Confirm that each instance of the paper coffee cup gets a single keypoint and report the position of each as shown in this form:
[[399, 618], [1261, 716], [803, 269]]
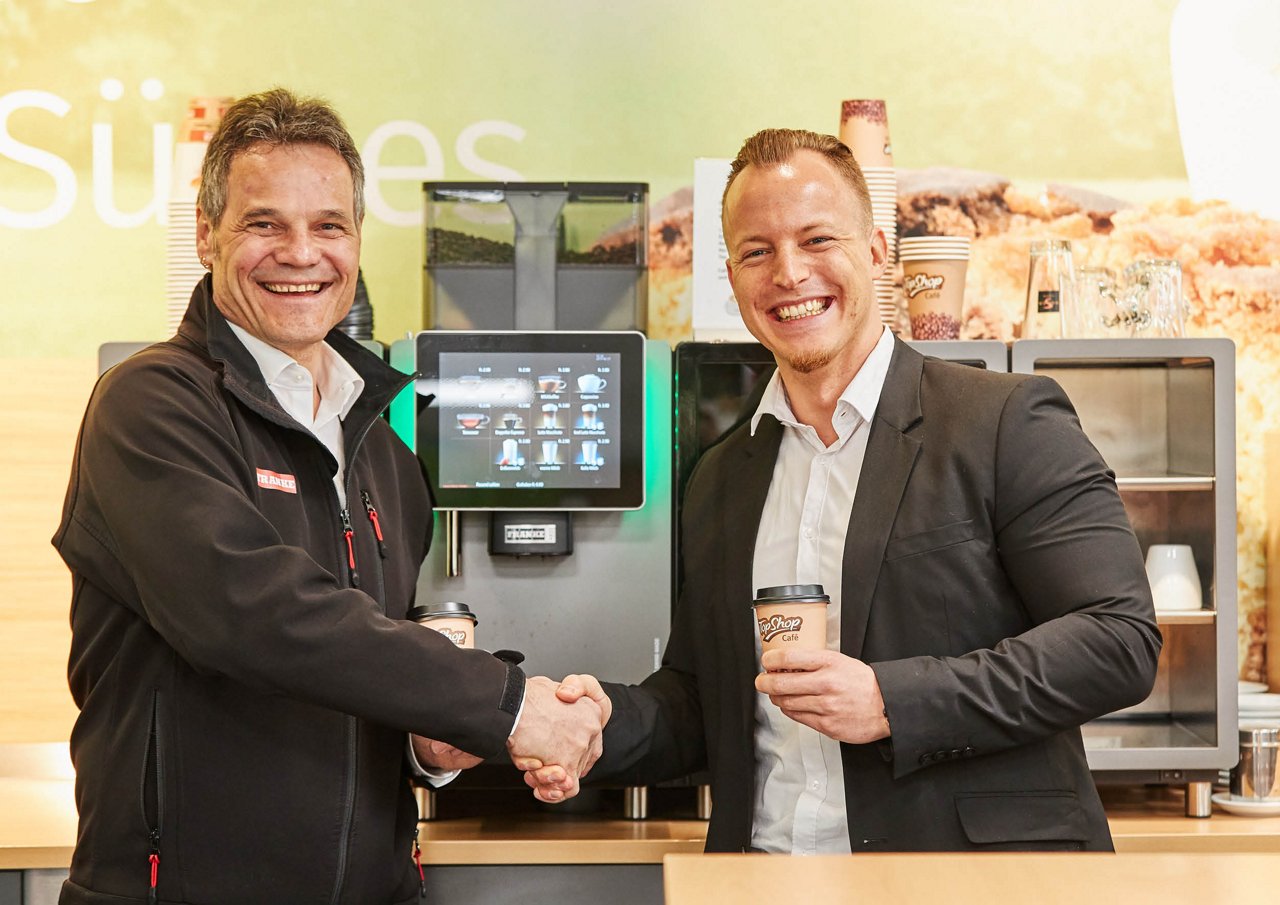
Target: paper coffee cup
[[792, 617], [934, 290], [453, 620], [864, 129]]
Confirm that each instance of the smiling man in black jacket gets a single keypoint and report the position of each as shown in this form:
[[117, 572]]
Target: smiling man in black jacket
[[245, 534], [987, 591]]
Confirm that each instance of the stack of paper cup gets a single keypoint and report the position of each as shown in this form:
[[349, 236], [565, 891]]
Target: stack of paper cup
[[933, 269], [864, 129], [184, 267], [882, 183]]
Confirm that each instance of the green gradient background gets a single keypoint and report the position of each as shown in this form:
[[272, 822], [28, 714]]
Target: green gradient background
[[613, 91]]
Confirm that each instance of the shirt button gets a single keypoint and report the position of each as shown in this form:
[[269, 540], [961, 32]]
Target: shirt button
[[808, 533], [815, 785]]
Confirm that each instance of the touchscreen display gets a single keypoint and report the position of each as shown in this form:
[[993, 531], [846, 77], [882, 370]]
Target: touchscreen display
[[533, 420]]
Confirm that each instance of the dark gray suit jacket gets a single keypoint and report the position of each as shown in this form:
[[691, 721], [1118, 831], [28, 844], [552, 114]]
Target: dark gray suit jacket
[[992, 581]]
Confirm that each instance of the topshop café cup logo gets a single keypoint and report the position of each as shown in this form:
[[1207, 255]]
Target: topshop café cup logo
[[777, 624], [44, 165]]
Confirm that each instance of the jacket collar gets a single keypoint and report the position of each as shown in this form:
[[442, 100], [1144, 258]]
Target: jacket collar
[[892, 447], [744, 486], [204, 327]]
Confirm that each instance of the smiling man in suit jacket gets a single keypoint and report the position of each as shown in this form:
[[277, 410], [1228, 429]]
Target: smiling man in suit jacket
[[987, 592]]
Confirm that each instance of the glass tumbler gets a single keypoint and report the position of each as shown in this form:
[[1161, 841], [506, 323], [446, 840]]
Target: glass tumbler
[[1155, 287], [1097, 305], [1051, 308]]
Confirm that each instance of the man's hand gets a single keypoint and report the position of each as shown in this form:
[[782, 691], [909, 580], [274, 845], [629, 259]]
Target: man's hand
[[823, 689], [441, 755], [555, 732], [550, 781], [571, 688]]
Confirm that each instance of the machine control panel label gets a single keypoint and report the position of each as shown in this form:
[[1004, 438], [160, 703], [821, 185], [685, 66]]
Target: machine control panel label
[[529, 534]]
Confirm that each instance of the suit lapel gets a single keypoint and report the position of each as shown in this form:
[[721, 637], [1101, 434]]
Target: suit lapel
[[890, 457], [745, 485]]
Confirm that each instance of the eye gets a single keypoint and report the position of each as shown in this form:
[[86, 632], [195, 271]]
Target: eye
[[818, 240], [752, 253]]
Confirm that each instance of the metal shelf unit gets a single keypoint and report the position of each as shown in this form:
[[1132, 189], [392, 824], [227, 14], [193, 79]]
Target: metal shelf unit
[[1162, 413]]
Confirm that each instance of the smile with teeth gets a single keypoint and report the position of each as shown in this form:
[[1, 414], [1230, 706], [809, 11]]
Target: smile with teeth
[[292, 287], [802, 309]]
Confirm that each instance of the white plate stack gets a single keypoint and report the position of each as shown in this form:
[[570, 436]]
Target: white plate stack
[[882, 185], [1260, 705]]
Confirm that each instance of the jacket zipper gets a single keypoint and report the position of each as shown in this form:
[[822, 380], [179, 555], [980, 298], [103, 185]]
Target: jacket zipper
[[379, 572], [353, 726], [373, 519], [417, 862], [348, 535], [153, 781], [348, 808], [349, 799]]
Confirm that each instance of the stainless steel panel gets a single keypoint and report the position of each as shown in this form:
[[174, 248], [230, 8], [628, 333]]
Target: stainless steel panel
[[1162, 413], [604, 609]]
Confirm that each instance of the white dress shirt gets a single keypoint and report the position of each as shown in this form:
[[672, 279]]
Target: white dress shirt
[[800, 804], [294, 388]]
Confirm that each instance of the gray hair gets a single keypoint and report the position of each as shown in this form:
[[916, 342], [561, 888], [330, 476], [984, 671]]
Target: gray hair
[[275, 117]]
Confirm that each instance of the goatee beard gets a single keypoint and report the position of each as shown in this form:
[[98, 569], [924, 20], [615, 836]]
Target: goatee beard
[[810, 361]]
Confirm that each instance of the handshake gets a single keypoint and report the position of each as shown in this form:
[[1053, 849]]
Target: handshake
[[556, 741]]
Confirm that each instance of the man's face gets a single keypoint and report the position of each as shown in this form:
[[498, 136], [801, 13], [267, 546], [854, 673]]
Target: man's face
[[287, 252], [801, 263]]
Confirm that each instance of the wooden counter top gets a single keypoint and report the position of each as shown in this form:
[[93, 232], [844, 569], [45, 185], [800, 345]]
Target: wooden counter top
[[1152, 820], [38, 826], [558, 840], [961, 879], [37, 806]]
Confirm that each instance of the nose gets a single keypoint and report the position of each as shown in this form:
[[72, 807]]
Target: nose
[[790, 269], [298, 248]]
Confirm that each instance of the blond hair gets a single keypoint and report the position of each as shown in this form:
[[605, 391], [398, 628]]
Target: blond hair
[[771, 147]]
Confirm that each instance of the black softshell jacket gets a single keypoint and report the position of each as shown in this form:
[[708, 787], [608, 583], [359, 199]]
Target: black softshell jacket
[[239, 653]]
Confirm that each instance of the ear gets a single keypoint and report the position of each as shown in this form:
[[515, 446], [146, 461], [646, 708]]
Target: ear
[[879, 253], [204, 235]]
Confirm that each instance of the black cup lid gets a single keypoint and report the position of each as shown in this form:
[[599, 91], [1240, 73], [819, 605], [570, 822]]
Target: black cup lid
[[444, 608], [784, 593]]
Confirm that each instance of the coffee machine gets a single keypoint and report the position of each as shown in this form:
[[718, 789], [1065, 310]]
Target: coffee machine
[[544, 418]]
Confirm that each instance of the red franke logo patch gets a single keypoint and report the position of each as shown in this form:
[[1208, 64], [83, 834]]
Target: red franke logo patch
[[269, 480]]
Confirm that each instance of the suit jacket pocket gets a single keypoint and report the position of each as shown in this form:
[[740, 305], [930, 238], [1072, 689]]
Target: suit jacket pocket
[[933, 539], [1023, 819]]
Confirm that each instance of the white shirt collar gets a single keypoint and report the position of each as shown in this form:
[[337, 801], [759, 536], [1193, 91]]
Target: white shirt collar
[[862, 395], [340, 386]]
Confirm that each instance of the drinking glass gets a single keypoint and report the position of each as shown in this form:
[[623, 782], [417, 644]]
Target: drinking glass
[[1097, 303], [1050, 309], [1154, 287]]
